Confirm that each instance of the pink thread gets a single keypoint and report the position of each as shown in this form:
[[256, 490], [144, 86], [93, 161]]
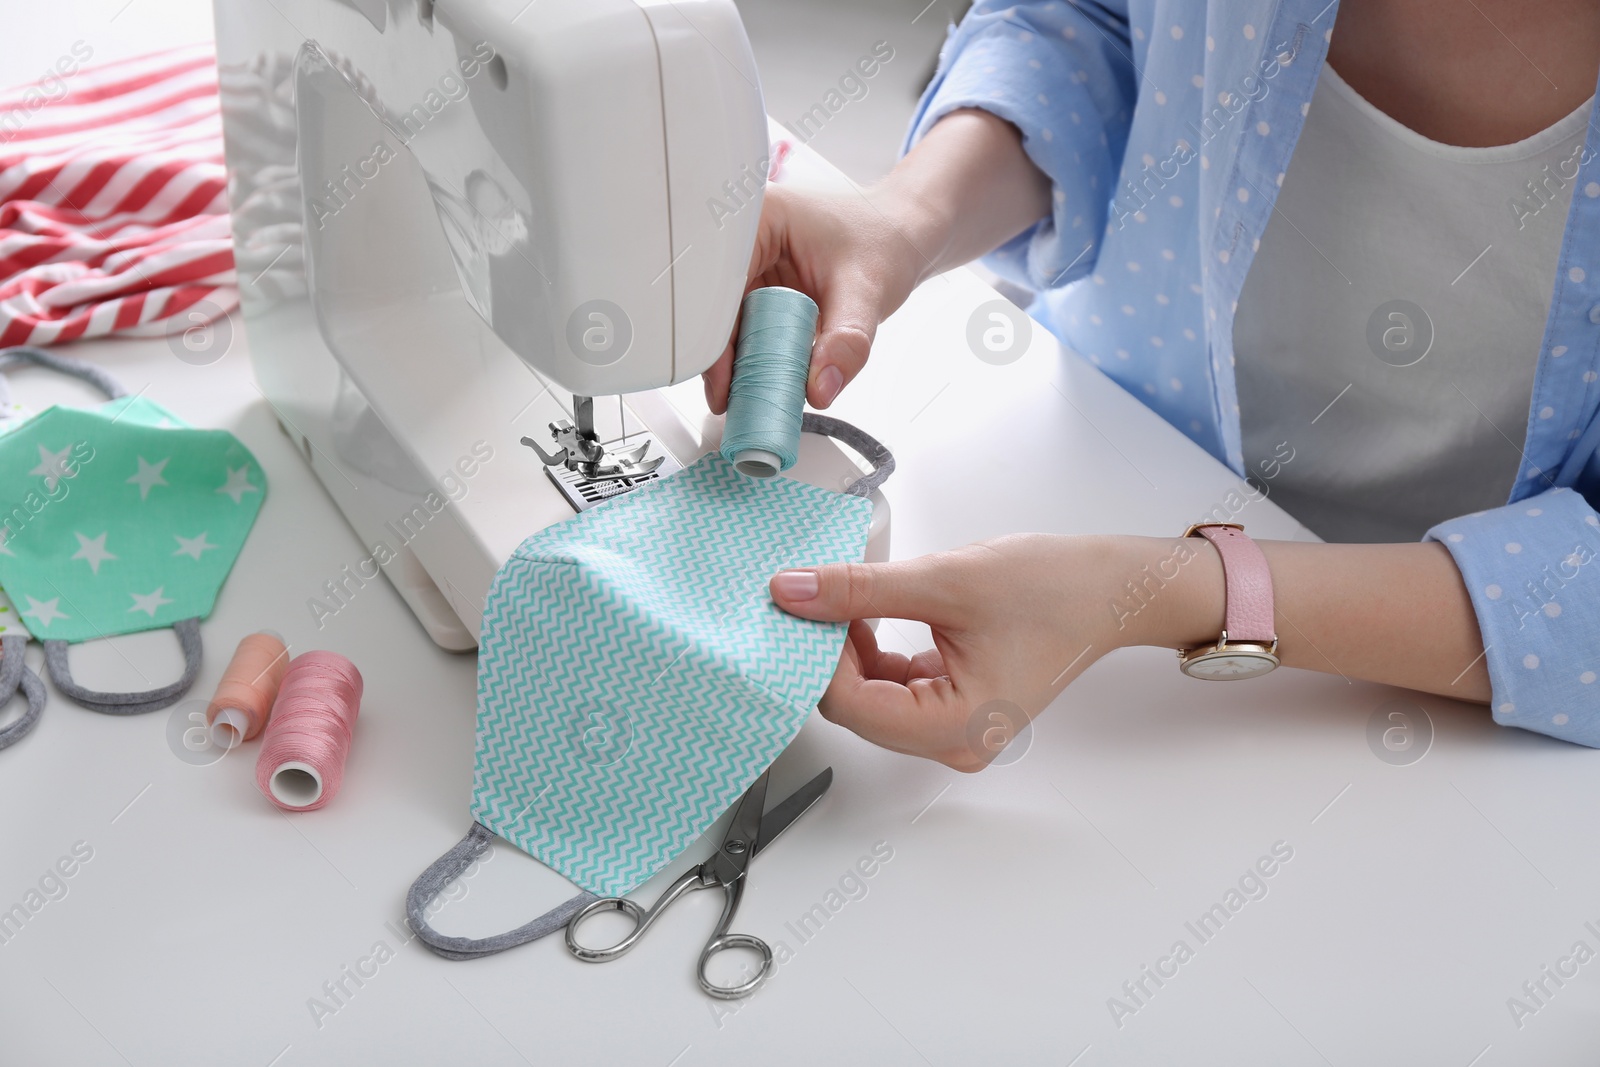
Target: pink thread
[[307, 739]]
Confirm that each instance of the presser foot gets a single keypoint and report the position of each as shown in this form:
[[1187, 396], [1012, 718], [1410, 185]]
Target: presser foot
[[590, 459], [584, 493], [578, 448], [588, 472]]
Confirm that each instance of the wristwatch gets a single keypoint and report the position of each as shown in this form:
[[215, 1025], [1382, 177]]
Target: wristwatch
[[1248, 647]]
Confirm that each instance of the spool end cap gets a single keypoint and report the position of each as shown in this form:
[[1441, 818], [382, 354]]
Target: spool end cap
[[296, 784], [758, 463], [230, 728]]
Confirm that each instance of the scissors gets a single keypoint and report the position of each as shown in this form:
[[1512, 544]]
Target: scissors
[[748, 836]]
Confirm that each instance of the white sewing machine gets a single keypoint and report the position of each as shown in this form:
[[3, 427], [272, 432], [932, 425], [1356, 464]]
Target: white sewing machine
[[457, 222]]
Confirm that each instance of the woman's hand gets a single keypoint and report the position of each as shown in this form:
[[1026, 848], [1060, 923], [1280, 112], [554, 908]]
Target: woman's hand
[[966, 188], [1014, 620], [848, 253]]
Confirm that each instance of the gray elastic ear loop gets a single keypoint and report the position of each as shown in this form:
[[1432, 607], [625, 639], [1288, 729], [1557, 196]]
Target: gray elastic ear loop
[[871, 449], [446, 869], [188, 634], [14, 673], [76, 368]]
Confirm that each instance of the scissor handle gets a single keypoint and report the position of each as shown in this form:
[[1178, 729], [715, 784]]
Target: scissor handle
[[723, 942], [641, 919]]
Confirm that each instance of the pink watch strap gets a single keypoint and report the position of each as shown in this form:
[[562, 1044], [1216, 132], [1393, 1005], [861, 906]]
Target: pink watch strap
[[1249, 616]]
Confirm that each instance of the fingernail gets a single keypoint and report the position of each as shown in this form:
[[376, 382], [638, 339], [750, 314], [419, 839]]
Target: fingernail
[[796, 585], [829, 382]]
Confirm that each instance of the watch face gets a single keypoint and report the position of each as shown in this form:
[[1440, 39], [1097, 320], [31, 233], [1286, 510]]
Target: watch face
[[1229, 665]]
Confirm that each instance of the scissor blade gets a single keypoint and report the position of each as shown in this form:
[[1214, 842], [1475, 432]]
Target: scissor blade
[[791, 808], [739, 843]]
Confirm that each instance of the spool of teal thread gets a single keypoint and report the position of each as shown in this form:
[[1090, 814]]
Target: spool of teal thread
[[766, 400]]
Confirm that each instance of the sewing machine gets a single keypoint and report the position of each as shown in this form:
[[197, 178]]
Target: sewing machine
[[475, 239]]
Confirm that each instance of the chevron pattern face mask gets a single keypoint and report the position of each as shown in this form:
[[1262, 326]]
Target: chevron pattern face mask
[[634, 676]]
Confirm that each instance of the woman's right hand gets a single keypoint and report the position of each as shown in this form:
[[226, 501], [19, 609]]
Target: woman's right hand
[[847, 253], [966, 188]]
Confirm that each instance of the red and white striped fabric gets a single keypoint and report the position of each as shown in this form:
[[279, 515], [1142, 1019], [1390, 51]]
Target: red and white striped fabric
[[113, 200]]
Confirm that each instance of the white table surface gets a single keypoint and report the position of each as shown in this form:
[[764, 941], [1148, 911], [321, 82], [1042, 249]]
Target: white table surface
[[1418, 900]]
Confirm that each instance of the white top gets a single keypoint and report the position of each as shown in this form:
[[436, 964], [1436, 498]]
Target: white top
[[1388, 330]]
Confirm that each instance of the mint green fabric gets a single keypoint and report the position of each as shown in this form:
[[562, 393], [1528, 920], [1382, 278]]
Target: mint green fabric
[[634, 676], [119, 518]]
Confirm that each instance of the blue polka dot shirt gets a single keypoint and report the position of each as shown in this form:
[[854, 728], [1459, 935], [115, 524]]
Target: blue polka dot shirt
[[1166, 128]]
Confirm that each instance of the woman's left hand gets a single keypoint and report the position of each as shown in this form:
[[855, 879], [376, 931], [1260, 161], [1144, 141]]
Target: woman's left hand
[[1014, 621]]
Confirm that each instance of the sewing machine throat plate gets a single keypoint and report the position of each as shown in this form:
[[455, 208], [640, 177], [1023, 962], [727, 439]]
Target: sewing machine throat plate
[[584, 494]]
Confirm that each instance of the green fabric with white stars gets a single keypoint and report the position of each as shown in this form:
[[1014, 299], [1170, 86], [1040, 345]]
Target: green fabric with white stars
[[120, 518]]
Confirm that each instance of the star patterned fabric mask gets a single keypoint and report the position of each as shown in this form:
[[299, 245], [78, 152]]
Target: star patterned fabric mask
[[117, 519]]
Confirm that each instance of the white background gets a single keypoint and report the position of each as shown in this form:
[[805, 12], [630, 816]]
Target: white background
[[1419, 898]]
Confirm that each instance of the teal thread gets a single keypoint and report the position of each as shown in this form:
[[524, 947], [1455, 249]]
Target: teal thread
[[767, 398]]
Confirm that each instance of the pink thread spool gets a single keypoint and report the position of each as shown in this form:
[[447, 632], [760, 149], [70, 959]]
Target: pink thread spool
[[245, 695], [308, 735]]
